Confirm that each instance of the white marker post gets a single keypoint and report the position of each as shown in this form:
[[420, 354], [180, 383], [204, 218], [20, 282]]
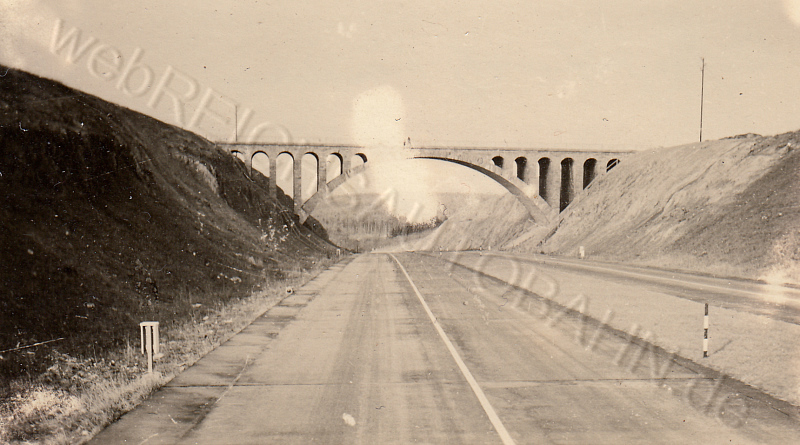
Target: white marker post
[[149, 332], [581, 252], [705, 333]]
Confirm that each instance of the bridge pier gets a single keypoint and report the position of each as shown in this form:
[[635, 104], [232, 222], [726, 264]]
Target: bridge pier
[[522, 169], [347, 161], [297, 182], [322, 174], [508, 169], [273, 177], [553, 180], [577, 177], [588, 171], [565, 189]]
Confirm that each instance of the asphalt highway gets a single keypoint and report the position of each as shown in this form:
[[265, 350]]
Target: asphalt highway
[[398, 349]]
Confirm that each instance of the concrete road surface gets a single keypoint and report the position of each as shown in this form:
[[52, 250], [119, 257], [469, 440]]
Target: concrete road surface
[[781, 302], [398, 350]]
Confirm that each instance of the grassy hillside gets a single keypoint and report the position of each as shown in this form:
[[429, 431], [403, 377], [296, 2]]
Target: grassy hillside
[[730, 207], [109, 217]]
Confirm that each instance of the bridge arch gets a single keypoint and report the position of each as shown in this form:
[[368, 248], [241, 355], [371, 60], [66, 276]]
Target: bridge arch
[[261, 162], [589, 171], [522, 164], [538, 209], [286, 166], [311, 168], [567, 191], [239, 155], [545, 180], [334, 166]]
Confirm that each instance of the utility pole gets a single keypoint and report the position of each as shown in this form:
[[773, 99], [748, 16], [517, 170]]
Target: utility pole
[[236, 123], [702, 88]]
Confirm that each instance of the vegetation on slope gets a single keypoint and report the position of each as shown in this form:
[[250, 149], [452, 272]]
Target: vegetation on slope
[[362, 222], [109, 217]]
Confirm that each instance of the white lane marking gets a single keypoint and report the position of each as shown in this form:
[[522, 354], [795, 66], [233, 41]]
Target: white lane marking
[[487, 407]]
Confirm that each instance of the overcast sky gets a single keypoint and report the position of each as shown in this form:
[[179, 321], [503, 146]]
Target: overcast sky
[[568, 74]]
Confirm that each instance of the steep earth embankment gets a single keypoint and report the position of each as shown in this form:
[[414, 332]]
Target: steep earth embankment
[[109, 217], [729, 207], [726, 207]]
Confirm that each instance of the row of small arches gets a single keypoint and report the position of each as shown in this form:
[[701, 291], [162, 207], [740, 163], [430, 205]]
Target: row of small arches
[[557, 188], [309, 168], [566, 188], [522, 163]]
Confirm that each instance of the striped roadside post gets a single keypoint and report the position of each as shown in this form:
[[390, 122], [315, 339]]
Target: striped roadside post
[[705, 333]]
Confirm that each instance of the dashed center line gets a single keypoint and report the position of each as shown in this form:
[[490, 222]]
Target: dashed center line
[[487, 407]]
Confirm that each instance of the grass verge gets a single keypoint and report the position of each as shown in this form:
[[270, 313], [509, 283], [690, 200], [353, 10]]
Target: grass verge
[[77, 397]]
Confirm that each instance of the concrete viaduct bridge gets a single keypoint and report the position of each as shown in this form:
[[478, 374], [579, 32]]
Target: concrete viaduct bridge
[[544, 180]]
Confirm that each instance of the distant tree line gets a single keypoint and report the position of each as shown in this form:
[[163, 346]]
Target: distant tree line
[[353, 227], [410, 228]]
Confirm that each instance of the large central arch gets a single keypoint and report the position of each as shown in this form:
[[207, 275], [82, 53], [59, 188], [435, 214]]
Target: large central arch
[[536, 206]]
